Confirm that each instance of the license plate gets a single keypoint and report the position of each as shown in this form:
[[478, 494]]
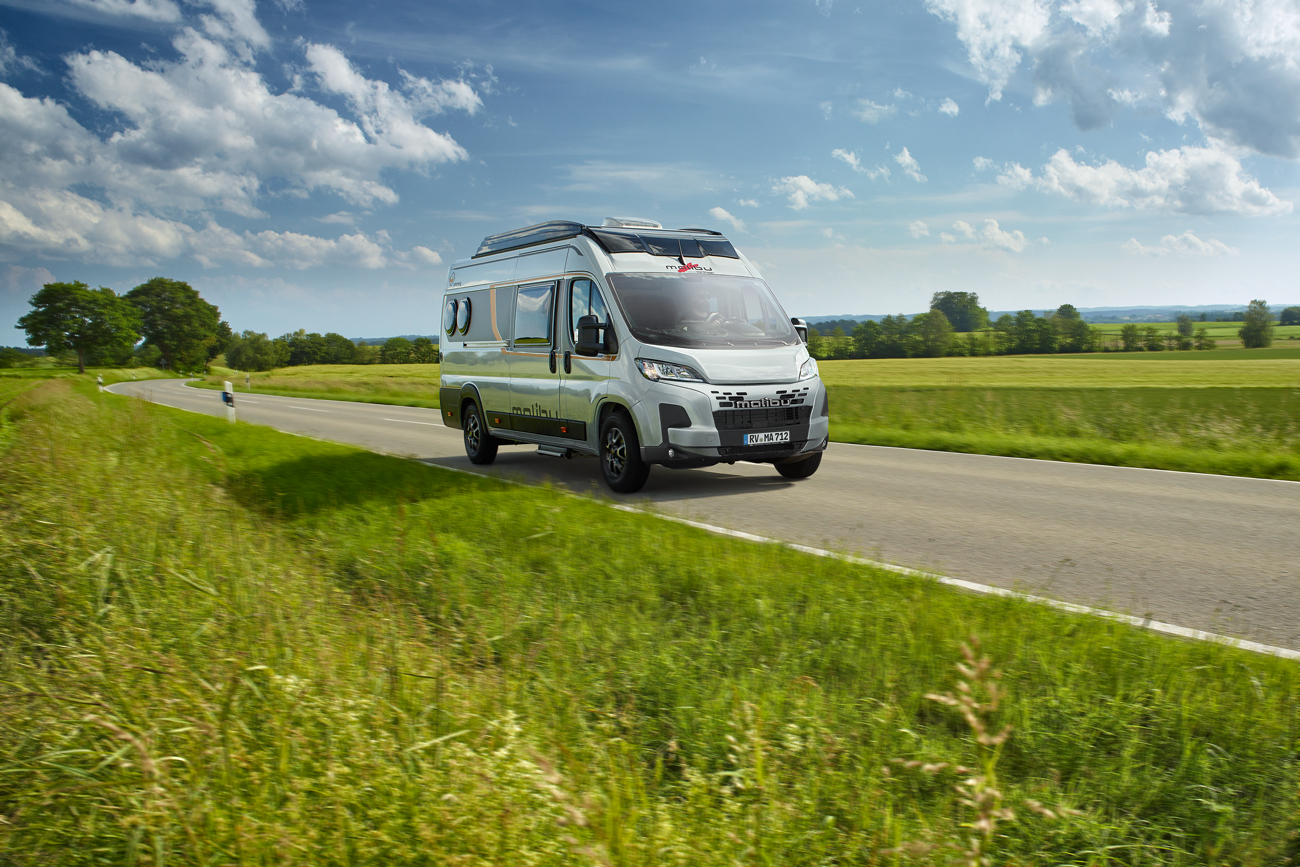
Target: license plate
[[767, 438]]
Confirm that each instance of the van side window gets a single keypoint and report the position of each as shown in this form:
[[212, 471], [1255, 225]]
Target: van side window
[[533, 316], [585, 300]]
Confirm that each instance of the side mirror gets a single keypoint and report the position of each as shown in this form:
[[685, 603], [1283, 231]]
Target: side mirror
[[800, 328], [590, 339]]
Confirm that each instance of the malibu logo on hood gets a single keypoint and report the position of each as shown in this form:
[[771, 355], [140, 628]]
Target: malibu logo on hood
[[687, 266]]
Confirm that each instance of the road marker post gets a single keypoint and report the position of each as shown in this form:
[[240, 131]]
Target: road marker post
[[228, 396]]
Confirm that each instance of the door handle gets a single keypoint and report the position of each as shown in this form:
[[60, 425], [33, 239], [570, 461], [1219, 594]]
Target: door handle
[[552, 361], [568, 362]]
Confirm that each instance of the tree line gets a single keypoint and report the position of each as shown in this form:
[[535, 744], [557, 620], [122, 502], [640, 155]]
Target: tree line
[[956, 325], [181, 331], [251, 350]]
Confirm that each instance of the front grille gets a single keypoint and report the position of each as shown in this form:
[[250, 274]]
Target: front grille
[[761, 419]]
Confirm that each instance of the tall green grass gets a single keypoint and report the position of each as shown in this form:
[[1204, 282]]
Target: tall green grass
[[1235, 431], [221, 644]]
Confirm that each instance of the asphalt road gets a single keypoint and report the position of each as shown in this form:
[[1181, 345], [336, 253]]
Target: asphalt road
[[1217, 553]]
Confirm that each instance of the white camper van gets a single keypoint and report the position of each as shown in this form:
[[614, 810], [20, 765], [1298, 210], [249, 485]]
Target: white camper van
[[630, 342]]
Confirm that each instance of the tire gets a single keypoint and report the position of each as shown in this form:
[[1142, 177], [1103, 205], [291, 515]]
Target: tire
[[800, 469], [620, 454], [480, 446]]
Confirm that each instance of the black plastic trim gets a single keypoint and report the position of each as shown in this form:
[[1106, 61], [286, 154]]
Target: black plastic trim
[[555, 230], [449, 398]]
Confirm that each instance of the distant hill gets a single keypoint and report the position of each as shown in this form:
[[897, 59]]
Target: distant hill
[[1091, 314]]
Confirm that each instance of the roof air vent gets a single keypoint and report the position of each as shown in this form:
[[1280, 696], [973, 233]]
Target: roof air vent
[[630, 223]]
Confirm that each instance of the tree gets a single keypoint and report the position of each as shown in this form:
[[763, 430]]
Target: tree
[[253, 351], [1151, 340], [1185, 326], [424, 351], [895, 337], [866, 338], [73, 316], [396, 351], [935, 334], [961, 309], [1068, 311], [1290, 316], [175, 318], [338, 349], [1131, 338], [1204, 340], [1257, 332]]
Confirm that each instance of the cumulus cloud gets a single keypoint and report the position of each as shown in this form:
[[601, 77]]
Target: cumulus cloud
[[748, 203], [918, 229], [989, 235], [983, 164], [1188, 180], [725, 216], [802, 190], [1186, 244], [1228, 65], [949, 107], [206, 132], [911, 167], [1182, 180], [151, 10], [872, 112], [11, 59], [856, 164]]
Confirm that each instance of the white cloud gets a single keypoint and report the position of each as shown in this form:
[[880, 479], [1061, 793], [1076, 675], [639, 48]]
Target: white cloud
[[748, 203], [152, 10], [802, 190], [852, 159], [949, 107], [872, 112], [911, 167], [848, 157], [19, 279], [828, 109], [1186, 244], [989, 235], [899, 93], [1229, 65], [1188, 180], [983, 164], [1015, 176], [425, 255], [725, 216], [205, 132], [918, 229], [11, 59]]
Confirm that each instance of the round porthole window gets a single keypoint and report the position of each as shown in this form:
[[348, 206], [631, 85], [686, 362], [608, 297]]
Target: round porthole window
[[449, 317], [462, 316]]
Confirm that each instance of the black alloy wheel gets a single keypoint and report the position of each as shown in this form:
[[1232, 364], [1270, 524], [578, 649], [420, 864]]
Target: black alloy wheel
[[800, 469], [620, 454], [480, 446]]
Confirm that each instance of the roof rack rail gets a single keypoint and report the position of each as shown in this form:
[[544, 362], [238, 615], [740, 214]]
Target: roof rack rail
[[701, 231], [555, 230]]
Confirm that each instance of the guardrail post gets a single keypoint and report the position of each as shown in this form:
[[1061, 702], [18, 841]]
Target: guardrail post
[[228, 395]]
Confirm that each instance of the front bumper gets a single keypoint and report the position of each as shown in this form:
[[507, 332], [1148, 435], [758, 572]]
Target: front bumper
[[702, 424]]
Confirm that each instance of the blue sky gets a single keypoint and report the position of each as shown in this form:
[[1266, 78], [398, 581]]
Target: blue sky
[[318, 165]]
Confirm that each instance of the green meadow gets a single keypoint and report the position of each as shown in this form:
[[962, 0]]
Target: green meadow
[[220, 644]]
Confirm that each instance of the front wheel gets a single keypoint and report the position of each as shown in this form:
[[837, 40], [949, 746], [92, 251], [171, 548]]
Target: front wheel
[[480, 446], [620, 455], [800, 469]]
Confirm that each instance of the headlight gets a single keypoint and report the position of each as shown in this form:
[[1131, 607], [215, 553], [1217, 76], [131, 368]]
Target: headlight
[[809, 369], [663, 370]]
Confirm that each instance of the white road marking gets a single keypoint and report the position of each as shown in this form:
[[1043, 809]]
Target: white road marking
[[307, 408], [408, 421]]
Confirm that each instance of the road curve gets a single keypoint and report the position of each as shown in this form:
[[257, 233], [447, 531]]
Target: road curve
[[1217, 553]]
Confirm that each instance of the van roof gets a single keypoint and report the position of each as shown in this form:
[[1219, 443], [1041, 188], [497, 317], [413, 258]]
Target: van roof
[[675, 243]]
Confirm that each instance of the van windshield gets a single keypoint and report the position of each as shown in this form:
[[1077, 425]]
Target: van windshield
[[702, 310]]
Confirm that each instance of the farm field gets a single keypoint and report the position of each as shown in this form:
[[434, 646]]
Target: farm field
[[295, 646], [396, 384]]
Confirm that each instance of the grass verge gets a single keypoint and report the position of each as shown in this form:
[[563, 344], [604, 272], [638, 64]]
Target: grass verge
[[222, 644], [1230, 431]]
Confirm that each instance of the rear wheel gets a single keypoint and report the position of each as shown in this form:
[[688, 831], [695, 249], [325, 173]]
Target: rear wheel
[[800, 469], [620, 454], [479, 445]]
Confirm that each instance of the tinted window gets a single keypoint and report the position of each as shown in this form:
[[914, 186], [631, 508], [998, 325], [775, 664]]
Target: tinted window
[[705, 310], [533, 316], [585, 300]]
